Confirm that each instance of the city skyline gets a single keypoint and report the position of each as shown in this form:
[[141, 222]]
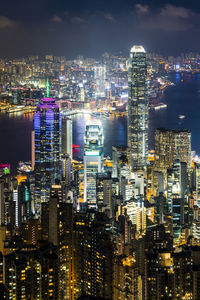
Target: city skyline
[[106, 202]]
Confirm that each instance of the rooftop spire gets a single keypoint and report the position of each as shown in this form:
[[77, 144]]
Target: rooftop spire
[[47, 87]]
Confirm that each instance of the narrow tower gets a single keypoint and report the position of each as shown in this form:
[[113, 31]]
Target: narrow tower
[[47, 139], [138, 108]]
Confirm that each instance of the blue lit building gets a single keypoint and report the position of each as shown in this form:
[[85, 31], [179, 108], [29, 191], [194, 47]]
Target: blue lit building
[[47, 126]]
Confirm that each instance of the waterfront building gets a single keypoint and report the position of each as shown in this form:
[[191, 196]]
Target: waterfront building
[[93, 159], [138, 108], [47, 149]]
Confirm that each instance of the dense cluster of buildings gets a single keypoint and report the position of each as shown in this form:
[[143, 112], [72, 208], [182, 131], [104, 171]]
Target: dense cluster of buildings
[[96, 84], [128, 228]]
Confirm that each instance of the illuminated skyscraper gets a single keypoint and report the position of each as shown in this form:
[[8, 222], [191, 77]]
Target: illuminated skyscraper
[[100, 77], [93, 160], [138, 108], [47, 149], [67, 136], [171, 145]]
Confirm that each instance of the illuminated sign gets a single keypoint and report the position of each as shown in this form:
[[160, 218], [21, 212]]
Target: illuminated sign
[[93, 153], [5, 168]]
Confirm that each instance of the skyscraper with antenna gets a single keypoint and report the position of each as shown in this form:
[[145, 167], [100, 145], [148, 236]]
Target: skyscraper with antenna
[[47, 140], [138, 108]]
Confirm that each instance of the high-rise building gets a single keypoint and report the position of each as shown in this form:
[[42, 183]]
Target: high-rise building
[[67, 136], [47, 148], [93, 160], [32, 273], [100, 77], [171, 145], [93, 252], [125, 281], [138, 108], [104, 193], [120, 155]]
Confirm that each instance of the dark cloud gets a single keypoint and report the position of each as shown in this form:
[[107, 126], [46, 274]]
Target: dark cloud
[[177, 12], [109, 17], [6, 22], [78, 20], [167, 18], [92, 27], [142, 9], [56, 19]]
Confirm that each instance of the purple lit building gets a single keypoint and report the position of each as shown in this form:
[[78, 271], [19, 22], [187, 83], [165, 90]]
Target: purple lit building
[[47, 128]]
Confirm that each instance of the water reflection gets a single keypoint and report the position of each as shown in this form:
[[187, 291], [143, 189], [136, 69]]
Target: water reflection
[[182, 99]]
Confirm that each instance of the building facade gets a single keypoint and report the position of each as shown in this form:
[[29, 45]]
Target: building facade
[[138, 108], [47, 149]]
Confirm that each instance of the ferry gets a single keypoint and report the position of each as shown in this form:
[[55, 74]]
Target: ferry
[[157, 106]]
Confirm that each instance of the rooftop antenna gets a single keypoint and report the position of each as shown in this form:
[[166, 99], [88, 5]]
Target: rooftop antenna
[[47, 87]]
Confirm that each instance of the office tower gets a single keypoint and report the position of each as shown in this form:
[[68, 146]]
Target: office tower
[[66, 136], [137, 214], [177, 181], [126, 189], [66, 167], [33, 150], [23, 206], [47, 149], [138, 108], [104, 193], [100, 77], [171, 145], [196, 183], [93, 159], [139, 184], [177, 217], [8, 198], [120, 156], [2, 202], [161, 208]]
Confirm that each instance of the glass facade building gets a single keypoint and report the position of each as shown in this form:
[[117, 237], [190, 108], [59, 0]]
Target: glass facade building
[[138, 108], [93, 160], [47, 127]]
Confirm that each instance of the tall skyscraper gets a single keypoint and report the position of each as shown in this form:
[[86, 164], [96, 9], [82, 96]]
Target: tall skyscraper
[[67, 136], [93, 160], [47, 148], [138, 108], [100, 77]]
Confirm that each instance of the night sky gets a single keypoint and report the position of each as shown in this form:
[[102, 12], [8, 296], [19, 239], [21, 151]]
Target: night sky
[[91, 27]]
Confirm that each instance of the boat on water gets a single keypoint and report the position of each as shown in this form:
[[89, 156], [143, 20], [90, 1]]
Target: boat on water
[[181, 117], [157, 106]]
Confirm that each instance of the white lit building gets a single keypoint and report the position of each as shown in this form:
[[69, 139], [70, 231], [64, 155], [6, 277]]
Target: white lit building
[[100, 77], [93, 160]]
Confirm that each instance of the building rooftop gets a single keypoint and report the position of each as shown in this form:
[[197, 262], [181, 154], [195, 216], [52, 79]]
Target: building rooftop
[[139, 49]]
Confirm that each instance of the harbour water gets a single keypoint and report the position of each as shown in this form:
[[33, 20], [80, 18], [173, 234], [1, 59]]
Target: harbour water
[[183, 99]]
